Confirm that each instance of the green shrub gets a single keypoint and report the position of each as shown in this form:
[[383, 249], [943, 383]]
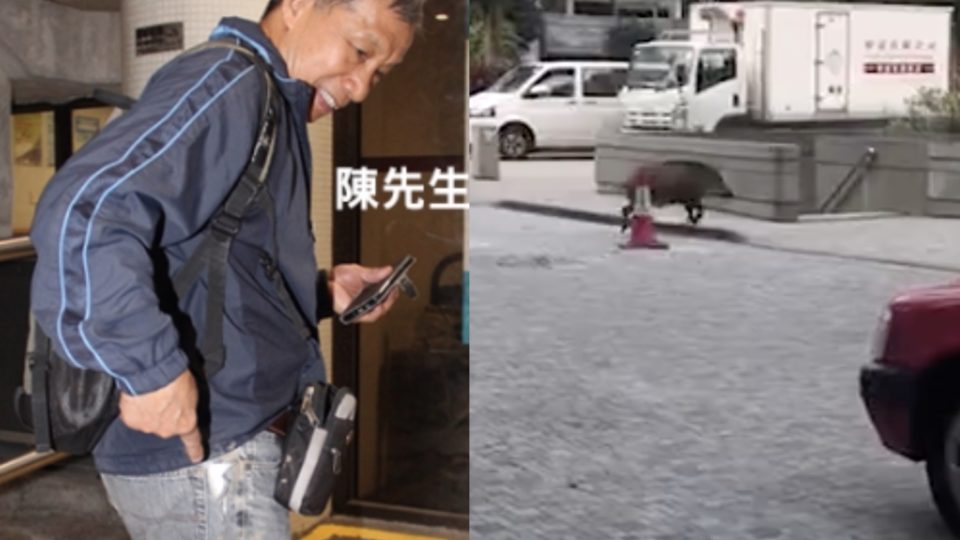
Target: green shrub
[[932, 110]]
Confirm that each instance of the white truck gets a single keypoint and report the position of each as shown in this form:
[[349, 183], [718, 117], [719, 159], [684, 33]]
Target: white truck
[[787, 63]]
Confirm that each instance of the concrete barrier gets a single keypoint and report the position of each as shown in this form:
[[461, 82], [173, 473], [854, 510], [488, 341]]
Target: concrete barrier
[[913, 175], [764, 176], [780, 175], [943, 179], [896, 182]]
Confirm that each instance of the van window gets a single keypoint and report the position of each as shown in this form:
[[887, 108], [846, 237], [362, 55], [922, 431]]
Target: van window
[[512, 80], [559, 81], [603, 82], [715, 67]]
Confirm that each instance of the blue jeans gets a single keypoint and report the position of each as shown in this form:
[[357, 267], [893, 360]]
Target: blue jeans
[[228, 497]]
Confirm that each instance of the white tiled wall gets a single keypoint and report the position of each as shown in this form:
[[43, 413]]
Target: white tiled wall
[[199, 18]]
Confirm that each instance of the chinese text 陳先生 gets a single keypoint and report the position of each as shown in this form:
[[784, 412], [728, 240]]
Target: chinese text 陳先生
[[358, 188]]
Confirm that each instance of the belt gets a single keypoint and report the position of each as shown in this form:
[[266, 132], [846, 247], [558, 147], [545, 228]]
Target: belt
[[281, 423]]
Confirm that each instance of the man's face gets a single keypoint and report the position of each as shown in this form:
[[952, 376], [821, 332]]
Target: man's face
[[342, 49]]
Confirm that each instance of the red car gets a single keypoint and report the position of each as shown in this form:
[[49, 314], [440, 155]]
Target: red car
[[911, 388]]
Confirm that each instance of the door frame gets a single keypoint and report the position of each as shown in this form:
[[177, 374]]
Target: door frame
[[346, 348], [819, 61]]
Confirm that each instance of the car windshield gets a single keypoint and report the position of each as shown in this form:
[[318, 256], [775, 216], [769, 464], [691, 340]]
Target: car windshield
[[653, 66], [512, 80]]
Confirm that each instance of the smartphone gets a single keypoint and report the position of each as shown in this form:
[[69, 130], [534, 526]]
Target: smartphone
[[375, 293]]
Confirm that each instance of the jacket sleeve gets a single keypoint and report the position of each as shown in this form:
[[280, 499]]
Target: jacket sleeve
[[150, 179]]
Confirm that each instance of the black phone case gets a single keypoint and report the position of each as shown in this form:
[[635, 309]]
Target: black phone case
[[371, 296]]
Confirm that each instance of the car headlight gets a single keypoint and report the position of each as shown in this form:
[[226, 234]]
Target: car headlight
[[878, 344], [489, 112]]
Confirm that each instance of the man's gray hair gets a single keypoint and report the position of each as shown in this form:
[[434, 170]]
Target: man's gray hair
[[410, 11]]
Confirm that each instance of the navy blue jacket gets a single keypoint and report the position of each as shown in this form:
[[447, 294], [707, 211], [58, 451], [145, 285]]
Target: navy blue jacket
[[127, 210]]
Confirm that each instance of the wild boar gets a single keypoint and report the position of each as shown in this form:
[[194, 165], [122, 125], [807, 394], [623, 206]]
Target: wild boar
[[677, 182]]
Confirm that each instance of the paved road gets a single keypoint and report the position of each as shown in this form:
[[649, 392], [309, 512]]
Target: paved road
[[705, 392]]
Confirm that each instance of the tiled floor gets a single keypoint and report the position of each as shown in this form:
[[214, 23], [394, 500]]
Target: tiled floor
[[64, 500]]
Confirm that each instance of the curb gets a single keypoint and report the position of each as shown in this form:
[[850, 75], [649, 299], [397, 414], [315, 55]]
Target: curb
[[670, 229], [723, 235]]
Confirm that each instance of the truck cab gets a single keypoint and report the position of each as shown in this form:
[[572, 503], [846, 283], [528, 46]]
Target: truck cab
[[683, 85]]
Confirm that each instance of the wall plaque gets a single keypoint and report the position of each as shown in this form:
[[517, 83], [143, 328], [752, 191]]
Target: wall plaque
[[159, 38]]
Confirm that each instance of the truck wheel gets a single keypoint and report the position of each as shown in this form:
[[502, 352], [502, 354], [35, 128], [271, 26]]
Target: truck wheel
[[943, 469], [515, 141]]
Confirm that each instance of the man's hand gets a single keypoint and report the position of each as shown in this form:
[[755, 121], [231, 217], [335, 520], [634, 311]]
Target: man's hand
[[348, 280], [167, 412]]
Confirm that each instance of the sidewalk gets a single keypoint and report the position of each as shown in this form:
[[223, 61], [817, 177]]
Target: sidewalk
[[566, 188]]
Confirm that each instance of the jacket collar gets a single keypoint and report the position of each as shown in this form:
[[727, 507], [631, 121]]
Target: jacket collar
[[298, 93]]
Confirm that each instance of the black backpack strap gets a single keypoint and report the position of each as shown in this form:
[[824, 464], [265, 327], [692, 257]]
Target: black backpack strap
[[214, 250], [39, 368], [289, 305]]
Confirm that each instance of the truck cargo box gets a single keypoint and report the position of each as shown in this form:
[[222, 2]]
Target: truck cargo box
[[822, 61], [788, 63]]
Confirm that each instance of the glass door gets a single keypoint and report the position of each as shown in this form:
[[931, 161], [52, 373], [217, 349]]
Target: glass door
[[411, 369]]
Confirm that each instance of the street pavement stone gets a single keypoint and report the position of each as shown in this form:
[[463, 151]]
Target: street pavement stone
[[708, 391]]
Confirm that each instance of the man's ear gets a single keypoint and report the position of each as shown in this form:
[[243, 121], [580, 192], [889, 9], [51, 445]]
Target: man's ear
[[294, 9]]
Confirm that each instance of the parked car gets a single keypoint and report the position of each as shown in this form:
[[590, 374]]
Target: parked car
[[911, 388], [555, 104]]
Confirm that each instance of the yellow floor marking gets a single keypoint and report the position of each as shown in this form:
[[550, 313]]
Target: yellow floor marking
[[325, 532]]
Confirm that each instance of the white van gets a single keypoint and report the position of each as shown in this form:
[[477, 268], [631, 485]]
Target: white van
[[555, 104]]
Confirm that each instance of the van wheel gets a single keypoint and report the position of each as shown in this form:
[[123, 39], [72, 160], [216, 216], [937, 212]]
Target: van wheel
[[516, 141], [943, 469]]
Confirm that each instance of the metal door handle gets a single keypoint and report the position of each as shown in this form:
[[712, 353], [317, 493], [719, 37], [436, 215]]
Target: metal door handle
[[572, 102], [590, 102]]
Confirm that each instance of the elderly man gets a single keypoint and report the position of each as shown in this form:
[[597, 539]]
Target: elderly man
[[191, 457]]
